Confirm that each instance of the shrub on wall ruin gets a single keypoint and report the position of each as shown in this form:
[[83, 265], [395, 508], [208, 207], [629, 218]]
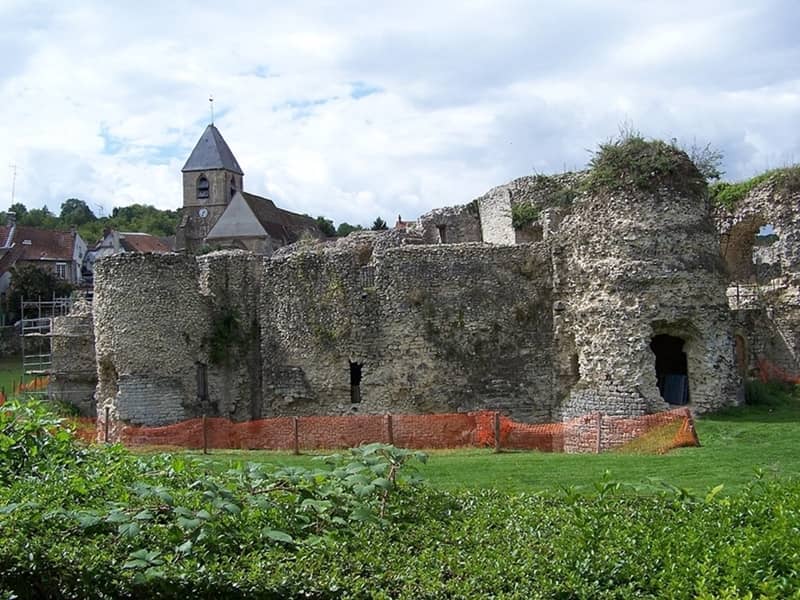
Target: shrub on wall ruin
[[730, 194], [632, 162]]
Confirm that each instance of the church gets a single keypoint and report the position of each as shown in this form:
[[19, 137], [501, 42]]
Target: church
[[218, 213]]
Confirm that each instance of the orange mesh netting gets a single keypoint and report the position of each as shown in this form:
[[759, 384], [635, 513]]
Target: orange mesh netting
[[590, 433]]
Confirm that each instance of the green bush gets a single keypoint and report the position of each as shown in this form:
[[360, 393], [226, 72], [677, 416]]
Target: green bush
[[523, 214], [730, 194], [770, 393], [117, 526], [33, 440], [633, 163]]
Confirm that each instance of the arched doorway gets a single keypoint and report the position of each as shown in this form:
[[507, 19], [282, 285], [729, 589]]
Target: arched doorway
[[671, 368]]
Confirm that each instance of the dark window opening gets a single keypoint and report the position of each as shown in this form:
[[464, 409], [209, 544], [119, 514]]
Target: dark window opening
[[233, 187], [671, 368], [442, 229], [355, 382], [202, 187], [201, 371], [575, 367]]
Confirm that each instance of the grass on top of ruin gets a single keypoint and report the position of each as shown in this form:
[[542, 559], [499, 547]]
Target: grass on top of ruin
[[736, 445]]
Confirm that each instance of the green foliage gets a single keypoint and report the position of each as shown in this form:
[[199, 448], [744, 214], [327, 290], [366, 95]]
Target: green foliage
[[136, 217], [379, 225], [730, 194], [354, 526], [770, 393], [226, 335], [40, 217], [631, 162], [31, 282], [326, 226], [523, 214], [19, 209], [346, 229], [76, 212], [106, 524]]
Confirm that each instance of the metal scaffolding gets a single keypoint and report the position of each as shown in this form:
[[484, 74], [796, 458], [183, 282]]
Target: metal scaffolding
[[36, 332]]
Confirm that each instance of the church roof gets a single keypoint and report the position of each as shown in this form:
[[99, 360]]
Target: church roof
[[250, 215], [280, 224], [212, 152]]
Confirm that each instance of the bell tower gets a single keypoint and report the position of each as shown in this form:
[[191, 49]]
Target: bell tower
[[211, 176]]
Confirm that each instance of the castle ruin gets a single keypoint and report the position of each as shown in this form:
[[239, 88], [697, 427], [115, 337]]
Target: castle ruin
[[546, 298]]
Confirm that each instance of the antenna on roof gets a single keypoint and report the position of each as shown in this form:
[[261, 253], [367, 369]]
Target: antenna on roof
[[211, 104], [13, 181]]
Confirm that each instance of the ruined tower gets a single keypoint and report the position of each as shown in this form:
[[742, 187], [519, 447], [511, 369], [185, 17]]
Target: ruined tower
[[211, 176]]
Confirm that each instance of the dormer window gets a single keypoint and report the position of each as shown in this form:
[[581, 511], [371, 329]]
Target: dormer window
[[202, 187]]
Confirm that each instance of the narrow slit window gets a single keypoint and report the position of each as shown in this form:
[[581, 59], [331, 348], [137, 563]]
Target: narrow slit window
[[202, 381], [355, 382]]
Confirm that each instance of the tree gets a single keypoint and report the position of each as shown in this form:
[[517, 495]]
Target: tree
[[76, 212], [379, 225], [40, 217], [18, 208], [326, 226], [29, 281], [345, 229]]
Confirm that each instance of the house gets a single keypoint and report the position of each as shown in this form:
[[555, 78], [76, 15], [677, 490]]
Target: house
[[116, 242], [59, 252], [218, 212]]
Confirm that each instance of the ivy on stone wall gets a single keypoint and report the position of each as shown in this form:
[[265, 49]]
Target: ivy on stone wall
[[226, 334]]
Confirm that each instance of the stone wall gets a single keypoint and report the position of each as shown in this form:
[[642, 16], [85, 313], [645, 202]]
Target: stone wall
[[73, 373], [760, 241], [151, 324], [451, 225], [639, 265], [433, 328], [384, 322]]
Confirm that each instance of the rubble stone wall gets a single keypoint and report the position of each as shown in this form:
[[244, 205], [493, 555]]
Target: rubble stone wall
[[384, 322], [433, 328], [760, 240], [458, 224], [636, 266], [73, 372]]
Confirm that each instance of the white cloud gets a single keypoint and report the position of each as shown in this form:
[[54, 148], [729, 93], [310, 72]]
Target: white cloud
[[356, 109]]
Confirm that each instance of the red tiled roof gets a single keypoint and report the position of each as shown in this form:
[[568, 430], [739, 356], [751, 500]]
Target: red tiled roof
[[4, 233], [142, 242], [45, 244]]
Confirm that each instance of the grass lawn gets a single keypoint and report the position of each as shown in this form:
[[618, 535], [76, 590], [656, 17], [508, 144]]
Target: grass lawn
[[735, 445], [10, 371]]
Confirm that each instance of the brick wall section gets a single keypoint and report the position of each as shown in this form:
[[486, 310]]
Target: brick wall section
[[475, 429]]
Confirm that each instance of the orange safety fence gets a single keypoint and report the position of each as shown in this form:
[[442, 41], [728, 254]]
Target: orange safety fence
[[589, 433], [37, 384]]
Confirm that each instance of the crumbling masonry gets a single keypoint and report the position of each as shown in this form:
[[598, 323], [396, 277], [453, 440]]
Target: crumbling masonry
[[546, 298]]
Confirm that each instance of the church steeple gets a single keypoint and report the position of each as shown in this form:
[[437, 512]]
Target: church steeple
[[212, 152], [211, 177]]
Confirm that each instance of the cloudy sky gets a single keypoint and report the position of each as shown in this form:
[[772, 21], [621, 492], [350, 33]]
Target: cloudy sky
[[359, 109]]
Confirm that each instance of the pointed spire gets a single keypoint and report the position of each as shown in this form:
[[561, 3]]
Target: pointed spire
[[211, 152]]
